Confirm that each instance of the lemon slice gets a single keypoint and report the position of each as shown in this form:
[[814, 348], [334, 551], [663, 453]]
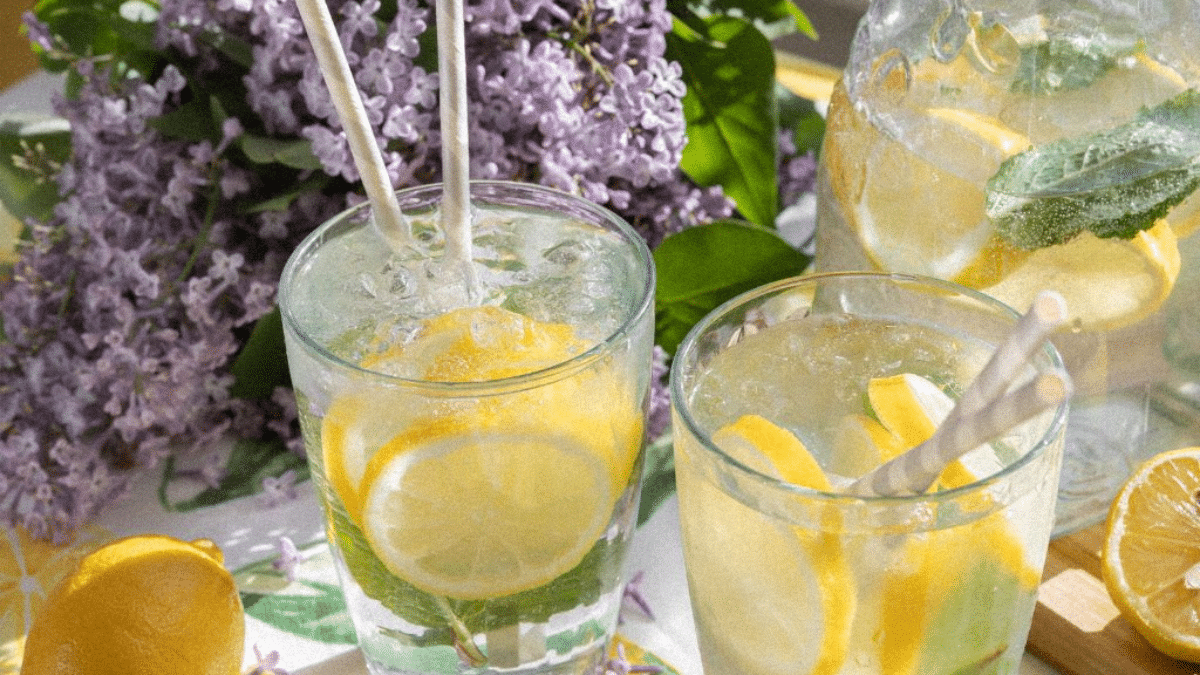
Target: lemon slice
[[1107, 283], [354, 428], [793, 564], [921, 215], [770, 449], [912, 407], [516, 487], [473, 344], [479, 516], [1151, 554], [931, 601]]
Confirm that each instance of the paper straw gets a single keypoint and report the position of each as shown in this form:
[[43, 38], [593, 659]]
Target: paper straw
[[456, 195], [322, 34], [914, 471], [1048, 312]]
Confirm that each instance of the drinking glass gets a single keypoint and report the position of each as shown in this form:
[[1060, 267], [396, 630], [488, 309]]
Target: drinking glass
[[791, 576], [1015, 147], [478, 455]]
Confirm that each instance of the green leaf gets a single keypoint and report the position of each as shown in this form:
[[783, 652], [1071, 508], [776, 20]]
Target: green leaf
[[658, 478], [291, 152], [1063, 65], [99, 27], [31, 153], [189, 122], [261, 365], [768, 12], [314, 183], [319, 615], [701, 267], [731, 113], [1113, 183], [578, 587]]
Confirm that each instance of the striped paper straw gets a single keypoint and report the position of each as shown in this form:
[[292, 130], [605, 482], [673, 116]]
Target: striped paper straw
[[914, 471]]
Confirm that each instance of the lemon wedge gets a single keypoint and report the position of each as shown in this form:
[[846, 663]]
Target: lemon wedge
[[912, 407], [941, 565], [799, 563], [1151, 554], [1107, 283]]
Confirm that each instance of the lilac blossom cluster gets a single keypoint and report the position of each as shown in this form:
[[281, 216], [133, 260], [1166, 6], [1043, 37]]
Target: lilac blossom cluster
[[127, 308]]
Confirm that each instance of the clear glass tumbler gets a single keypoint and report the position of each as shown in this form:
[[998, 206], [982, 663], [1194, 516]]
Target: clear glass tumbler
[[788, 573], [1015, 147], [479, 463]]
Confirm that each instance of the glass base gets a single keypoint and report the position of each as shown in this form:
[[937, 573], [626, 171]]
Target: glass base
[[588, 661], [1109, 437]]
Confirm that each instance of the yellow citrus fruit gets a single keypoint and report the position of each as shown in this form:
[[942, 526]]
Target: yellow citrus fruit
[[484, 496], [912, 407], [813, 559], [911, 213], [1151, 555], [143, 604], [935, 562], [773, 450], [860, 444], [1107, 283], [484, 516], [985, 560]]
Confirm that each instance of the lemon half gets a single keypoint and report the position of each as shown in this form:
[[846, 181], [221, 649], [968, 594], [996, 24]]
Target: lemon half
[[1151, 554]]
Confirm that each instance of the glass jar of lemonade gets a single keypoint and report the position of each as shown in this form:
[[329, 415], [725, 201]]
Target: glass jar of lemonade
[[1046, 144]]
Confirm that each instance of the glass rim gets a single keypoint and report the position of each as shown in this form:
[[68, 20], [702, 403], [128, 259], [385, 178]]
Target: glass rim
[[489, 192], [679, 401]]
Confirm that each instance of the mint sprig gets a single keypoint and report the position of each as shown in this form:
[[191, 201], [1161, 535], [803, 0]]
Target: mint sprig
[[1113, 183], [580, 586]]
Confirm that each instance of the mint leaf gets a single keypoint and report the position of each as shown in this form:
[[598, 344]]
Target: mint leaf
[[1062, 65], [731, 112], [578, 587], [701, 267], [1113, 183]]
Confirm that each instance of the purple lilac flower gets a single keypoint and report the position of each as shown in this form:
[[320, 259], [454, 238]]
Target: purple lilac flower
[[126, 309], [289, 558], [266, 665]]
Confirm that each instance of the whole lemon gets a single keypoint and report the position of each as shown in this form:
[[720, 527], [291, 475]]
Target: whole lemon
[[143, 604]]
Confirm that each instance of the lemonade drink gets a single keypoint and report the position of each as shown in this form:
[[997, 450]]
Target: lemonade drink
[[788, 393], [478, 461], [1049, 145]]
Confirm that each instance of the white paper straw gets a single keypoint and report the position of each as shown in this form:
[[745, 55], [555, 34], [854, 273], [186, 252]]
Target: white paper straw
[[1048, 312], [322, 34], [915, 470], [456, 195]]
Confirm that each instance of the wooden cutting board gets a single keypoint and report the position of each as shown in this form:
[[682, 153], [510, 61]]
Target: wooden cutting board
[[1077, 629]]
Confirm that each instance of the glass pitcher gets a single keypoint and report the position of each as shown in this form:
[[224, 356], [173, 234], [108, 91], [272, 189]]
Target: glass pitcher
[[1016, 146]]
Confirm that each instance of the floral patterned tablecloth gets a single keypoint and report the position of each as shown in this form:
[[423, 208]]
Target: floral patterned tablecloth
[[297, 624]]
